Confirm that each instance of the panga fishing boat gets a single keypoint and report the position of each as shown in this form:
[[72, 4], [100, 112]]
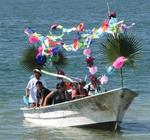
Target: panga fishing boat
[[105, 111]]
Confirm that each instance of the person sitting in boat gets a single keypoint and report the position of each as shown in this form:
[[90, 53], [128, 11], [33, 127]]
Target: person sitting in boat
[[57, 95], [42, 92], [30, 90], [80, 91], [91, 89], [74, 90]]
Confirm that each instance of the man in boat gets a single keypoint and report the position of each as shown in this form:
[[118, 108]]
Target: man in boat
[[42, 92], [31, 87], [58, 95]]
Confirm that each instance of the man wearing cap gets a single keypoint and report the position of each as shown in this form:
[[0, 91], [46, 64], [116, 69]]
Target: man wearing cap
[[31, 87]]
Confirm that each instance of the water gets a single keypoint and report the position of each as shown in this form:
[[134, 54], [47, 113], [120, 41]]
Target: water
[[15, 15]]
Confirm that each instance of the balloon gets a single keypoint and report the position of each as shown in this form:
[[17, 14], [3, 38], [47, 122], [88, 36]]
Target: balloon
[[89, 31], [59, 27], [90, 61], [124, 27], [47, 52], [46, 42], [41, 38], [105, 25], [75, 43], [89, 41], [99, 33], [54, 26], [40, 49], [93, 70], [119, 62], [104, 79], [54, 58], [112, 21], [110, 70], [33, 39], [67, 47], [69, 30], [51, 43], [41, 59], [80, 27], [28, 31], [55, 50], [87, 52], [94, 80]]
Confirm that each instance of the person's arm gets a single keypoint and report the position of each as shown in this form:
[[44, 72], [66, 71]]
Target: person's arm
[[38, 99], [67, 96], [37, 102], [73, 94], [41, 101], [43, 93], [50, 95], [27, 92]]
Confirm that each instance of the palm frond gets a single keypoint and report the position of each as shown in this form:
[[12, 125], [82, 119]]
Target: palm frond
[[29, 62], [61, 61], [122, 45], [28, 59]]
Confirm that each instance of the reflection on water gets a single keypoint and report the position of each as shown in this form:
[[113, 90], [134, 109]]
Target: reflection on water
[[69, 133], [128, 131]]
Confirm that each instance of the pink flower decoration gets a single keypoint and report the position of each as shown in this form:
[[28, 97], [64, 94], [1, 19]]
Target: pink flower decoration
[[40, 49], [90, 61], [33, 39], [87, 52], [93, 70], [119, 62], [94, 80], [104, 79]]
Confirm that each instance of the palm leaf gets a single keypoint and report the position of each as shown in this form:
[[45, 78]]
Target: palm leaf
[[29, 62], [62, 60], [122, 45]]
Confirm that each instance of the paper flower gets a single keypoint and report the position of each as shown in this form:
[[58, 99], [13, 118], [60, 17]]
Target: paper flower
[[33, 39], [119, 62], [110, 70], [104, 79], [87, 52], [93, 70]]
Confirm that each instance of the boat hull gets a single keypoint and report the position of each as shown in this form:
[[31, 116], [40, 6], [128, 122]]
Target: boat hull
[[105, 110]]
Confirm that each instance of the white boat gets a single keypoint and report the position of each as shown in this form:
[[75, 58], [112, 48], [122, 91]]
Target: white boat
[[105, 110]]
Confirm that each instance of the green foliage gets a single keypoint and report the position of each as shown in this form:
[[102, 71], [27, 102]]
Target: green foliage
[[61, 61], [28, 60], [121, 45]]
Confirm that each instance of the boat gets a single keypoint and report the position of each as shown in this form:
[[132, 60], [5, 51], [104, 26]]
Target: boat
[[104, 110]]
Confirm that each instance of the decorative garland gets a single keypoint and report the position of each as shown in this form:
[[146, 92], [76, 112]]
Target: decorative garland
[[49, 46]]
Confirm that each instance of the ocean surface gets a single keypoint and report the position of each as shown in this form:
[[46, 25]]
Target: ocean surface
[[16, 15]]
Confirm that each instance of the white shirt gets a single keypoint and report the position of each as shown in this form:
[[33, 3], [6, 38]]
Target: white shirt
[[32, 89]]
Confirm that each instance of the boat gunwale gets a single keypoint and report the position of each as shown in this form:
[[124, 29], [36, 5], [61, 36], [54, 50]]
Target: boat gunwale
[[76, 100]]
